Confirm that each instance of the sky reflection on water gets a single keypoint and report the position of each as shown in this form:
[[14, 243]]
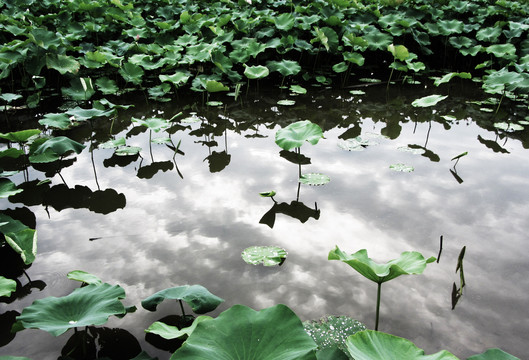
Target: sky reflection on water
[[176, 231]]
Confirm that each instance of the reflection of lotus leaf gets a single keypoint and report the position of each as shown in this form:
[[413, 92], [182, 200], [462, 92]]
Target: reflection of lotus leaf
[[196, 296], [374, 345], [90, 305], [270, 334], [267, 255]]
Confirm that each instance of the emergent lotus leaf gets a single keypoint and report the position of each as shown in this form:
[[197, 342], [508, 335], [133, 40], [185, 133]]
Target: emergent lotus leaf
[[493, 354], [196, 296], [374, 345], [7, 286], [430, 100], [269, 334], [84, 277], [172, 332], [7, 188], [295, 135], [409, 263], [86, 306]]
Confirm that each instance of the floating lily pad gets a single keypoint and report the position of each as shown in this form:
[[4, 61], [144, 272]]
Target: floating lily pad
[[269, 334], [155, 124], [127, 150], [112, 144], [298, 89], [286, 102], [356, 144], [196, 296], [267, 255], [401, 167], [193, 118], [416, 151], [508, 127], [86, 306], [332, 330], [314, 179]]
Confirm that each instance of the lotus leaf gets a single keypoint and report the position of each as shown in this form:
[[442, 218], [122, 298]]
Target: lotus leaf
[[196, 296], [10, 97], [409, 263], [20, 136], [374, 345], [449, 27], [7, 357], [401, 167], [378, 40], [177, 79], [268, 193], [340, 67], [214, 103], [314, 179], [354, 57], [8, 188], [20, 237], [284, 21], [57, 121], [12, 153], [284, 67], [427, 101], [172, 332], [78, 90], [399, 52], [501, 50], [493, 354], [332, 331], [267, 255], [446, 78], [488, 34], [154, 124], [286, 102], [256, 72], [63, 63], [215, 86], [508, 127], [295, 135], [127, 150], [86, 306], [131, 73], [107, 86], [52, 149], [83, 276], [7, 286], [80, 114], [243, 333], [298, 89], [112, 144]]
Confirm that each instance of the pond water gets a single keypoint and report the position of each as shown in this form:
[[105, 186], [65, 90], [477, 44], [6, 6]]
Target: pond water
[[189, 222]]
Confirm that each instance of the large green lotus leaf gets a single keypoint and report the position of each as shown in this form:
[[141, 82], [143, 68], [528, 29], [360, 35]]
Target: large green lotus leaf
[[448, 27], [107, 86], [446, 78], [374, 345], [59, 145], [354, 57], [256, 72], [332, 331], [172, 332], [267, 255], [7, 286], [154, 124], [488, 34], [501, 50], [493, 354], [11, 152], [429, 100], [86, 306], [284, 21], [284, 67], [57, 121], [8, 188], [409, 263], [399, 52], [177, 79], [9, 97], [83, 276], [378, 40], [63, 64], [80, 89], [196, 296], [132, 73], [80, 114], [20, 237], [295, 135], [243, 333], [215, 86], [20, 136]]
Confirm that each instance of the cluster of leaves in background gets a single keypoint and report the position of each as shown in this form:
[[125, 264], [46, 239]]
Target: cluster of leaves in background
[[111, 46]]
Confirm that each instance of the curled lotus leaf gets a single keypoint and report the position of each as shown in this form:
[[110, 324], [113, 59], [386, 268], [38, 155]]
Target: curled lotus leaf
[[84, 277], [172, 332], [20, 136], [269, 334], [8, 188], [86, 306], [375, 345], [296, 134], [409, 263], [256, 72], [267, 255], [196, 296]]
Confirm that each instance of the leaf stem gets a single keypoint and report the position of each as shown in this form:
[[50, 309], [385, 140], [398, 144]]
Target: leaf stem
[[182, 307], [378, 305]]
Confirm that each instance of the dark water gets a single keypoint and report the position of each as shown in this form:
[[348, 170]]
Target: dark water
[[191, 230]]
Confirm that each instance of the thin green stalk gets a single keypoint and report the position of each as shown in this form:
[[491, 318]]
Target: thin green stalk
[[378, 305], [389, 80], [182, 307]]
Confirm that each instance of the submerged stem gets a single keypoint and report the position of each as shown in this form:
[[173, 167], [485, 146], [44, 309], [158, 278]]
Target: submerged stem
[[378, 305]]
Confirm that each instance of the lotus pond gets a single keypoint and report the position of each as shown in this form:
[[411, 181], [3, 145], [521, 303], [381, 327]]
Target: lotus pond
[[183, 202]]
